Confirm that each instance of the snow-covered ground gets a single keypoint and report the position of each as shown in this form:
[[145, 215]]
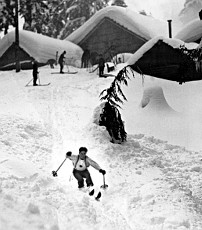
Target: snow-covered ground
[[154, 178]]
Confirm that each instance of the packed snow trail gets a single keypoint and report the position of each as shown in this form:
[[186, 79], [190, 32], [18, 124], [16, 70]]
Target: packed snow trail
[[153, 185]]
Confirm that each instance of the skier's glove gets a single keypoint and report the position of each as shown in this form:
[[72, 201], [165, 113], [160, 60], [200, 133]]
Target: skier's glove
[[102, 171], [68, 154]]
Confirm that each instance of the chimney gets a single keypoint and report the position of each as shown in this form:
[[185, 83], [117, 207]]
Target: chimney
[[200, 15], [170, 28]]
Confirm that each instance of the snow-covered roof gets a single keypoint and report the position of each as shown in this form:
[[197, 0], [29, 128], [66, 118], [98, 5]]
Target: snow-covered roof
[[175, 43], [41, 47], [190, 32], [144, 26]]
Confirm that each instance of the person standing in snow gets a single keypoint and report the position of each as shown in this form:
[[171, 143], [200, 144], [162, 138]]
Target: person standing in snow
[[61, 61], [101, 65], [81, 163], [35, 72]]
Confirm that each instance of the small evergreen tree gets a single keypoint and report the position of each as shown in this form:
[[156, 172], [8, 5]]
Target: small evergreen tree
[[119, 3], [111, 119], [7, 16], [110, 116], [55, 18], [84, 9], [34, 13]]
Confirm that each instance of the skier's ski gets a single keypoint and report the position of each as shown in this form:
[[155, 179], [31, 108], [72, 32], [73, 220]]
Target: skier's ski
[[44, 84], [91, 193], [38, 85], [92, 71], [96, 197], [107, 75], [73, 72]]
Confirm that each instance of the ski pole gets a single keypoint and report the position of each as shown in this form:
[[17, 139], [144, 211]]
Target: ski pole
[[38, 79], [55, 172], [104, 186], [28, 82]]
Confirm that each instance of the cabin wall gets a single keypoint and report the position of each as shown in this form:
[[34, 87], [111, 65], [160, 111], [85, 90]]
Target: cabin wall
[[162, 54], [110, 38], [8, 62], [163, 61]]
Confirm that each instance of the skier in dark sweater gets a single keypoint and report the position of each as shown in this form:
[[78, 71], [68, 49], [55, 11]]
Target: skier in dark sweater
[[61, 61], [35, 72], [81, 163]]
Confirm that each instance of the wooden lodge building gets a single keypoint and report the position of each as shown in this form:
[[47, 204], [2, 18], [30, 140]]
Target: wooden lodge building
[[163, 58], [34, 46], [115, 30]]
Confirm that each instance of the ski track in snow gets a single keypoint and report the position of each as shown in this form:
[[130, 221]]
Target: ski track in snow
[[156, 179]]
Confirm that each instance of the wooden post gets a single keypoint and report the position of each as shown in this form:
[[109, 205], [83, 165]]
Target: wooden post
[[17, 62]]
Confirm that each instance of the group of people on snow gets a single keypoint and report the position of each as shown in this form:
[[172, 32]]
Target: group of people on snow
[[84, 63], [35, 66], [81, 162]]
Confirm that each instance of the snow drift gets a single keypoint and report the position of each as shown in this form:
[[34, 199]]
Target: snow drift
[[191, 32], [153, 100], [154, 182]]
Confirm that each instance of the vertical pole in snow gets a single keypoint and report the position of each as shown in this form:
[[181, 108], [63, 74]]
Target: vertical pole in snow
[[170, 28], [17, 62], [95, 6]]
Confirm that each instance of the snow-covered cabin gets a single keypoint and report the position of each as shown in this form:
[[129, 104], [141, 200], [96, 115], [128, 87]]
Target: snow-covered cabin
[[115, 30], [192, 32], [162, 58], [36, 46]]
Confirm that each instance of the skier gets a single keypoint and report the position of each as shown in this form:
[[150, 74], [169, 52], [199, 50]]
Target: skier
[[61, 61], [35, 72], [101, 65], [81, 163], [85, 59]]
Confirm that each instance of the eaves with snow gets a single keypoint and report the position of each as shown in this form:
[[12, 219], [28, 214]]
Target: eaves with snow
[[114, 30], [162, 58], [36, 46], [191, 32]]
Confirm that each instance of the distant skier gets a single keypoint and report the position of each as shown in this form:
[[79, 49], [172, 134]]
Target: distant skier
[[101, 65], [61, 61], [85, 59], [81, 163], [35, 72]]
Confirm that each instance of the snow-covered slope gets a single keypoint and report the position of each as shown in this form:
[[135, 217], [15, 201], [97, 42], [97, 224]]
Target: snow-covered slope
[[154, 178]]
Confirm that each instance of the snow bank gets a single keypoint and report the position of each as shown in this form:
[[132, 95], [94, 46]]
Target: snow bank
[[191, 32], [123, 57], [153, 100]]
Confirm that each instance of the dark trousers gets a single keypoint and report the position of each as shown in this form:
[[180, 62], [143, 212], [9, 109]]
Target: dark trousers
[[35, 77], [61, 67], [101, 70], [80, 175]]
